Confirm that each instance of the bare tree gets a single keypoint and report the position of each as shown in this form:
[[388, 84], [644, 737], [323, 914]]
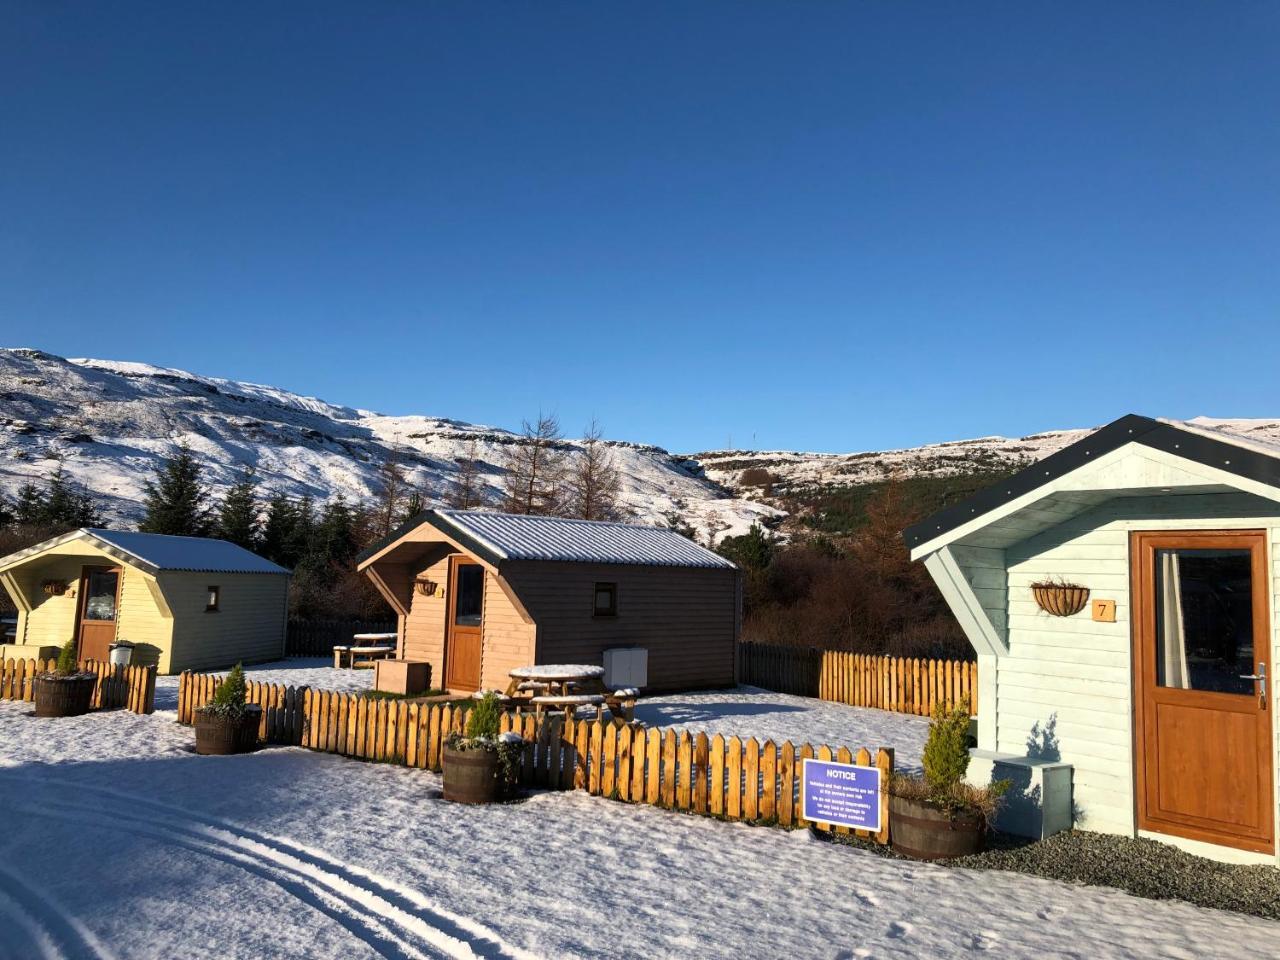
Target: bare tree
[[468, 488], [715, 526], [388, 508], [535, 469], [594, 484]]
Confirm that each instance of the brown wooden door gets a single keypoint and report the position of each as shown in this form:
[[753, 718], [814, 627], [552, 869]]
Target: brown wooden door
[[99, 607], [1203, 722], [464, 628]]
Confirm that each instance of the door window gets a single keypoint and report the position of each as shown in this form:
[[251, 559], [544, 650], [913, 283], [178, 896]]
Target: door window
[[100, 595], [470, 600], [1204, 620]]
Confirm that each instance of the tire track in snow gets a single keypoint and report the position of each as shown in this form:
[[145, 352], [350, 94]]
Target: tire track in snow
[[387, 911], [50, 932]]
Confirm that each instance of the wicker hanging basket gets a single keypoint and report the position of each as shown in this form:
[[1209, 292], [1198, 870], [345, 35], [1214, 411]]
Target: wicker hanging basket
[[1060, 599]]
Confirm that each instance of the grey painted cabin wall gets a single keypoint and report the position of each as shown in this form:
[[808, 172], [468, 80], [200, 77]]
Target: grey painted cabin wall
[[1071, 677]]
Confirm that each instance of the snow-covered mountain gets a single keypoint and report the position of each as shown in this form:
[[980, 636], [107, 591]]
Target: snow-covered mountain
[[790, 472], [110, 423]]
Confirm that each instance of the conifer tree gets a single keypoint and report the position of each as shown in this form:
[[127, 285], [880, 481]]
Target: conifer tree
[[277, 531], [177, 501], [238, 519]]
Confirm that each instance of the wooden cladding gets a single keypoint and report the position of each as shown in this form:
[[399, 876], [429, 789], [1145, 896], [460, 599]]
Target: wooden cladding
[[899, 684], [733, 778], [132, 688]]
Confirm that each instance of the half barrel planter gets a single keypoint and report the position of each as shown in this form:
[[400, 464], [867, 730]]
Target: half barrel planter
[[472, 776], [57, 696], [925, 832], [218, 735]]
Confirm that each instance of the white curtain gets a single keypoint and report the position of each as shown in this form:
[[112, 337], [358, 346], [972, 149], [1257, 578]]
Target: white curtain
[[1173, 632]]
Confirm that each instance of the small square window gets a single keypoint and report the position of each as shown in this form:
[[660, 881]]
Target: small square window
[[211, 604], [606, 602]]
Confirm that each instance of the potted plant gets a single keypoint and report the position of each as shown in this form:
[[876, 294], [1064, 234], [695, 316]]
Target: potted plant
[[227, 724], [67, 691], [481, 766], [939, 815]]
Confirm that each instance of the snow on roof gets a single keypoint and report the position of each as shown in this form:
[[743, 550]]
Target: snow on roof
[[193, 554], [1262, 436], [516, 537]]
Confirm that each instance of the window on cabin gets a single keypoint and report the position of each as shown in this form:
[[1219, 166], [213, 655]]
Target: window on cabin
[[211, 603], [606, 600]]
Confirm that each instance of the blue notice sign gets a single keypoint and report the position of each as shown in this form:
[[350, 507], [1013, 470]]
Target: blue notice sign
[[840, 794]]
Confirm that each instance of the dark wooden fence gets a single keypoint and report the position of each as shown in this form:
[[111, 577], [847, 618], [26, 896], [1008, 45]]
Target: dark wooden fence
[[317, 638]]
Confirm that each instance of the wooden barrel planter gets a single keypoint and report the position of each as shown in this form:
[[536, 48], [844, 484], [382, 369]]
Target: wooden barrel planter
[[1059, 599], [218, 735], [925, 832], [57, 696], [472, 776]]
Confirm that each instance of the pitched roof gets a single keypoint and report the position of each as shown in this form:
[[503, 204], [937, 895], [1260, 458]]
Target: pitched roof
[[498, 537], [1246, 457], [154, 552]]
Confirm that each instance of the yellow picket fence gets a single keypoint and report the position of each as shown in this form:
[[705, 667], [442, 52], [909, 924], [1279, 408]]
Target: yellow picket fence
[[132, 687], [733, 778], [899, 684]]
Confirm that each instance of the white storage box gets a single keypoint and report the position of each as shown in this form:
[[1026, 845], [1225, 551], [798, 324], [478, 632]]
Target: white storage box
[[626, 667]]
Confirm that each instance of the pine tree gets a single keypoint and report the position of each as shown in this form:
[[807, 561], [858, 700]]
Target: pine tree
[[301, 539], [28, 509], [176, 501], [753, 550], [7, 516], [594, 484], [60, 506], [414, 504], [334, 544], [535, 469], [238, 520], [468, 488], [277, 531]]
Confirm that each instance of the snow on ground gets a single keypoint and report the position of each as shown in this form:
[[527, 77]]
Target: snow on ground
[[122, 843], [752, 712]]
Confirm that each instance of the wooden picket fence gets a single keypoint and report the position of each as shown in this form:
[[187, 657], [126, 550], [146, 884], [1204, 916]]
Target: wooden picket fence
[[899, 684], [317, 638], [734, 779], [283, 717], [132, 688]]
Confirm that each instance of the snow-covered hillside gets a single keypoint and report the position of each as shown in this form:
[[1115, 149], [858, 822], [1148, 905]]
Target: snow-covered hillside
[[110, 423], [790, 472]]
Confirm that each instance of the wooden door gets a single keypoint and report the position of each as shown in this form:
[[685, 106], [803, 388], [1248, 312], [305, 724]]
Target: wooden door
[[464, 627], [1202, 709], [98, 610]]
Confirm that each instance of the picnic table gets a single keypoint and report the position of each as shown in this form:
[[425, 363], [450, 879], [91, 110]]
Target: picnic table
[[367, 648], [568, 686]]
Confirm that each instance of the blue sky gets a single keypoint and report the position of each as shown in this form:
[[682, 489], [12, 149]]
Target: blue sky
[[831, 226]]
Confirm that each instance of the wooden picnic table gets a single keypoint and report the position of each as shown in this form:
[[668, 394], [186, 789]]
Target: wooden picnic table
[[367, 648], [567, 686]]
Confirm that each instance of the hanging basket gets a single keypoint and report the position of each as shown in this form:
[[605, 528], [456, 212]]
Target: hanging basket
[[55, 588], [1060, 599]]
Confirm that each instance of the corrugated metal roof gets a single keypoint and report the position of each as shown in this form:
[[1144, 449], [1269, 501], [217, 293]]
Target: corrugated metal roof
[[516, 537], [193, 554]]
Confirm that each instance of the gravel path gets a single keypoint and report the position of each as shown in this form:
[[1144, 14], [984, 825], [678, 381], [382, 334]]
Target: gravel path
[[1144, 868]]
